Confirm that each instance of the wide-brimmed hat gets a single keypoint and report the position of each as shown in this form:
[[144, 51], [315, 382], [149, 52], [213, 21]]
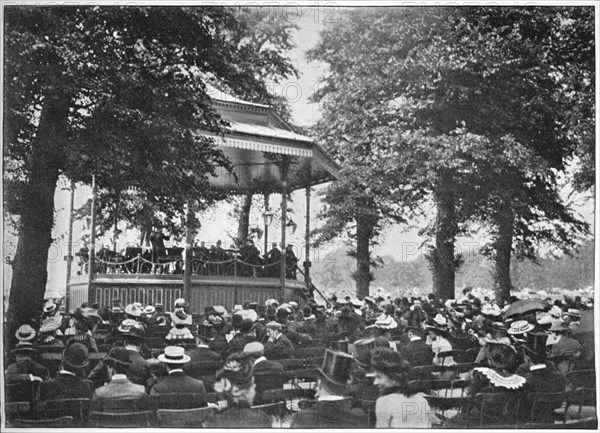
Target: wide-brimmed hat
[[76, 355], [250, 314], [238, 369], [120, 355], [51, 323], [504, 341], [179, 317], [271, 302], [384, 322], [574, 312], [133, 310], [25, 333], [491, 310], [555, 312], [180, 303], [294, 305], [336, 367], [544, 318], [439, 323], [520, 327], [174, 355], [558, 326], [132, 328]]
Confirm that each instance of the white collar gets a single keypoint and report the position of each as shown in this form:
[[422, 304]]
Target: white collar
[[119, 377], [262, 358], [203, 345], [67, 372], [177, 370], [415, 338]]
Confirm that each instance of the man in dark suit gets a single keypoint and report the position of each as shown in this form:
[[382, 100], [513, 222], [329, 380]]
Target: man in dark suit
[[68, 384], [416, 349], [265, 371], [176, 381], [278, 346], [119, 387], [332, 409], [202, 352]]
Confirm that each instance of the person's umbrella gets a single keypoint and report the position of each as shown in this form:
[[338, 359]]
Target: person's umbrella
[[524, 306], [585, 333]]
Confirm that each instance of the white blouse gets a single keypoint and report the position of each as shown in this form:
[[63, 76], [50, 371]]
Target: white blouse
[[399, 411]]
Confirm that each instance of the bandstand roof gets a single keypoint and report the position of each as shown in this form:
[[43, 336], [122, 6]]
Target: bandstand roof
[[257, 134]]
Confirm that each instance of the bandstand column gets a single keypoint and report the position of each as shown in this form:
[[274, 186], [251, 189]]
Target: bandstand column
[[283, 228], [266, 226], [189, 239], [92, 259], [307, 240]]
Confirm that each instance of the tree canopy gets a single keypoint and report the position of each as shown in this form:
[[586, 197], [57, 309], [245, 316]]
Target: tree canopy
[[119, 93]]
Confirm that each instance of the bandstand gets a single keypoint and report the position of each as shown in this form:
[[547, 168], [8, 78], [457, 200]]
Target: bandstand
[[267, 157]]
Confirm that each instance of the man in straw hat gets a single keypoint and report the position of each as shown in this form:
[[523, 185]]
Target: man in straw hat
[[119, 386], [68, 383], [332, 408], [176, 381]]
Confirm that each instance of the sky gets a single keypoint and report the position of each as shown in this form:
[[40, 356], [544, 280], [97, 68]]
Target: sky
[[397, 241]]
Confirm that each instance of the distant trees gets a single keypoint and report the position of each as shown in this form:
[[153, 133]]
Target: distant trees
[[468, 107]]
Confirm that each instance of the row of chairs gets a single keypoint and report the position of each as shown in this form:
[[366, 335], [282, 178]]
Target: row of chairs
[[167, 410], [488, 404]]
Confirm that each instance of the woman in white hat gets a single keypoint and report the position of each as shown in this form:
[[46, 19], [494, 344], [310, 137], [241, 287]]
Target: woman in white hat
[[438, 340], [49, 330], [180, 332]]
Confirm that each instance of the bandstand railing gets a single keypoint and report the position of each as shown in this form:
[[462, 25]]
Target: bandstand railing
[[234, 266]]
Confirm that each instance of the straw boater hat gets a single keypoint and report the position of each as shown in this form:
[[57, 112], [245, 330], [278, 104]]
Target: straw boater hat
[[150, 309], [50, 307], [543, 318], [174, 355], [25, 333], [132, 328], [133, 310], [219, 310], [520, 327]]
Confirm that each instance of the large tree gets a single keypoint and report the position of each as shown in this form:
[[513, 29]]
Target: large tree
[[119, 93], [473, 103]]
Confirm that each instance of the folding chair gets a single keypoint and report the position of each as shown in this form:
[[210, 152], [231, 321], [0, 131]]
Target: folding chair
[[581, 379], [456, 355], [77, 408], [287, 396], [177, 418], [441, 406], [16, 409], [126, 405], [428, 386], [178, 401], [309, 352], [543, 405], [21, 391], [471, 354], [122, 419], [497, 409], [292, 363], [63, 421], [424, 372], [580, 398]]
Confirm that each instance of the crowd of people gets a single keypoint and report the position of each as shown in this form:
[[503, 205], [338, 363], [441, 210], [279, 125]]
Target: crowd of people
[[371, 350]]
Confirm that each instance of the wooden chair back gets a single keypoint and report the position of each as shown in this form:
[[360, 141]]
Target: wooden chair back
[[178, 418]]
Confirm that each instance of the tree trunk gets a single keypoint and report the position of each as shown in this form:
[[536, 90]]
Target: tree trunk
[[244, 221], [503, 245], [363, 257], [30, 265], [446, 228]]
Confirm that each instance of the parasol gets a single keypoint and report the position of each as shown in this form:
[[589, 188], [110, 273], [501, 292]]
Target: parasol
[[525, 306]]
